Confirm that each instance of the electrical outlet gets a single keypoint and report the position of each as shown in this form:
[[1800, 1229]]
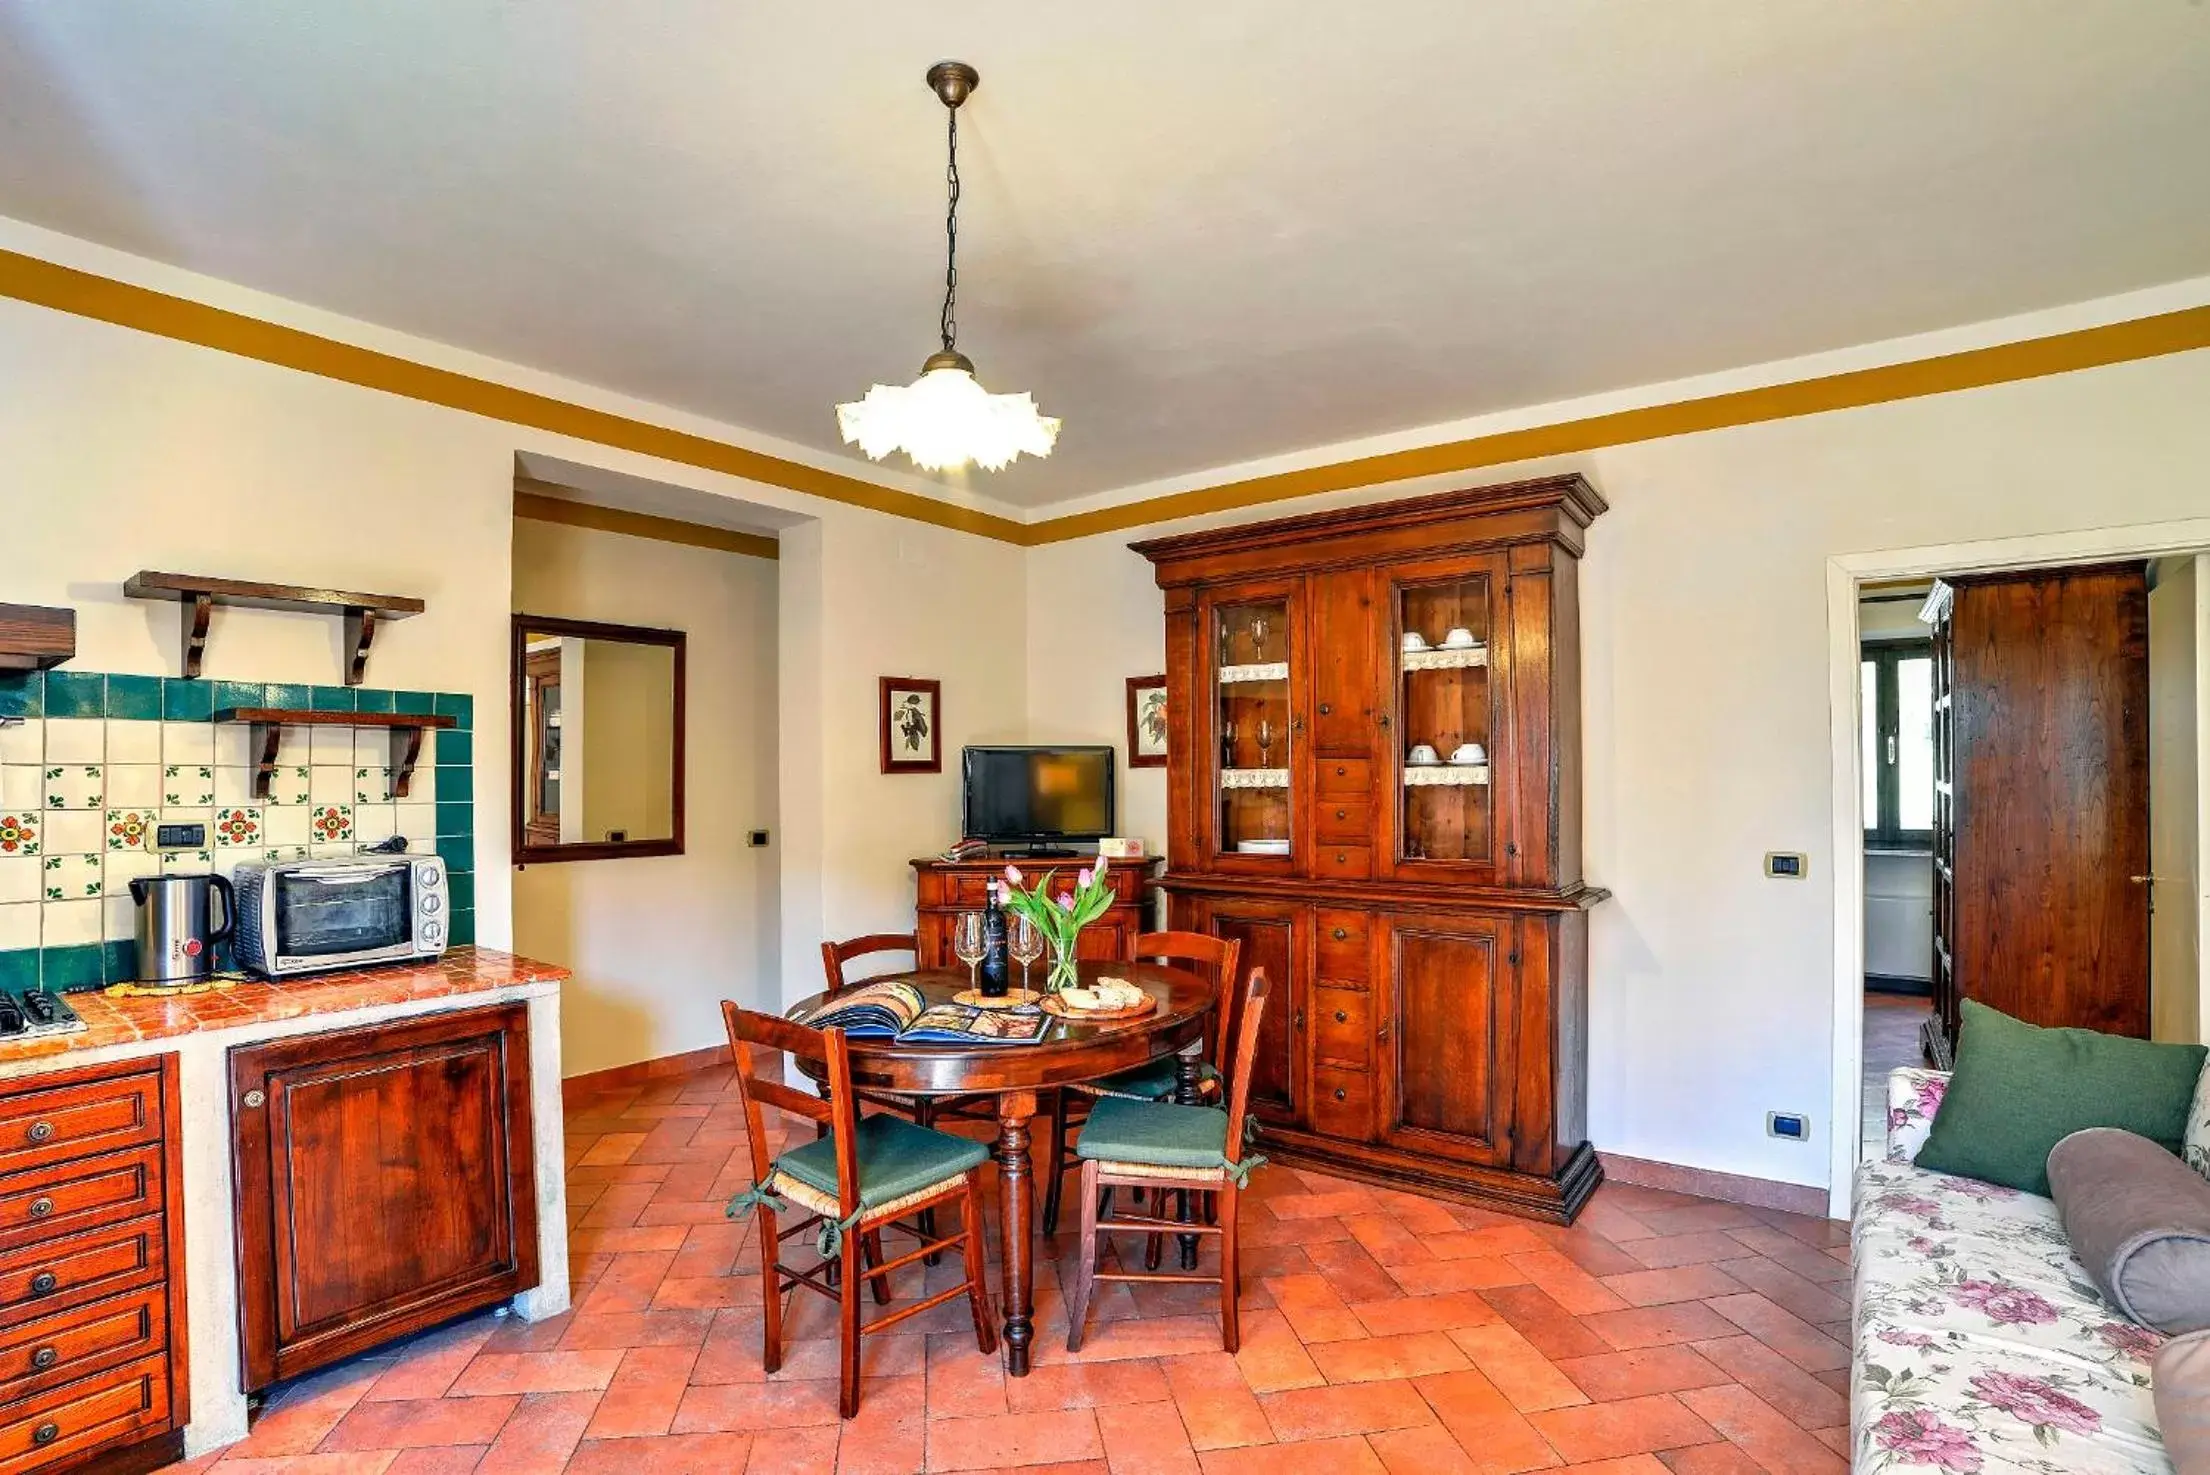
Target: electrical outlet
[[757, 839], [1786, 865], [1788, 1125]]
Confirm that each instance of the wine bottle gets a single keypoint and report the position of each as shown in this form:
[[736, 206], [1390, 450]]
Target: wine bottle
[[995, 978]]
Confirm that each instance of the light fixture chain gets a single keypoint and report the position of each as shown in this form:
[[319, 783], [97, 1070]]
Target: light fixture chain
[[949, 324]]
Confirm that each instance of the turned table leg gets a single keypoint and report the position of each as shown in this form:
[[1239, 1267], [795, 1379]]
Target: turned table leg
[[1188, 1076], [1014, 1110]]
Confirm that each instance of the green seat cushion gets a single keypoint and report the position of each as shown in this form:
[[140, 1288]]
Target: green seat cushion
[[1153, 1081], [895, 1158], [1159, 1133], [2019, 1090]]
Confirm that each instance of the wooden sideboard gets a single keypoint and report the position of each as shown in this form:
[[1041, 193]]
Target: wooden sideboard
[[92, 1341], [945, 888], [1423, 921]]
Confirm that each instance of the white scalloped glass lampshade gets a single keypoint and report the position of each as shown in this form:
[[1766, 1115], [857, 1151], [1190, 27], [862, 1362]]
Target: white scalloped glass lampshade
[[943, 420]]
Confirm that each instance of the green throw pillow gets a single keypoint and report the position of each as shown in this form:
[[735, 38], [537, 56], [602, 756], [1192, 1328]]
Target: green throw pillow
[[2020, 1089]]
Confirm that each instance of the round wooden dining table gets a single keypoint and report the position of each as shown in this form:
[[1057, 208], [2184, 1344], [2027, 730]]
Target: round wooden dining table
[[1072, 1050]]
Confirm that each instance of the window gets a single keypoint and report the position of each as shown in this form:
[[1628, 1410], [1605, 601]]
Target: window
[[1898, 744]]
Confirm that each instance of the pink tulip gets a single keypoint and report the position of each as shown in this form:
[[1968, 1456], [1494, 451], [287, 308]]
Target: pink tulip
[[1083, 880], [1066, 901], [1012, 875], [1100, 868]]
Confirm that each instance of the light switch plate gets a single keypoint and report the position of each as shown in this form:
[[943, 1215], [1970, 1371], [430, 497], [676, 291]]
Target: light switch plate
[[1787, 865]]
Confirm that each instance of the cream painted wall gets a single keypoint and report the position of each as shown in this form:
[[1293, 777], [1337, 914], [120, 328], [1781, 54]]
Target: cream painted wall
[[627, 731], [657, 942], [1705, 699]]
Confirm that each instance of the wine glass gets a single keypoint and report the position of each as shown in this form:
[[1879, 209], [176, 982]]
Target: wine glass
[[1258, 638], [967, 945], [1025, 940], [1265, 743]]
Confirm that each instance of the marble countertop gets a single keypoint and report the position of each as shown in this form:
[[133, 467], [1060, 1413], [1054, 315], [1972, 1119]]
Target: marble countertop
[[111, 1021]]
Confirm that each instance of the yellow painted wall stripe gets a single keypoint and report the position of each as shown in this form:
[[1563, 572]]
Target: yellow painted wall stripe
[[538, 507], [66, 289]]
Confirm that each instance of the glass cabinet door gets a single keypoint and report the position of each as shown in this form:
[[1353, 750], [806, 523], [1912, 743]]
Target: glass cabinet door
[[1448, 726], [1251, 726]]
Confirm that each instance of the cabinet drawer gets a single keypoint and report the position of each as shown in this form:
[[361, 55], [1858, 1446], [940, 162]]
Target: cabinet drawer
[[1342, 817], [84, 1267], [52, 1350], [71, 1420], [1342, 1032], [58, 1123], [1342, 862], [1342, 1103], [966, 891], [49, 1203], [1342, 941], [1354, 776]]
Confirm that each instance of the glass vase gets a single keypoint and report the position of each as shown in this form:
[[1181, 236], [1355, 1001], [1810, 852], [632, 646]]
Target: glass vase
[[1063, 973]]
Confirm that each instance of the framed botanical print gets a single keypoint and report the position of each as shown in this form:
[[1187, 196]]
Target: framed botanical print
[[1147, 722], [912, 725]]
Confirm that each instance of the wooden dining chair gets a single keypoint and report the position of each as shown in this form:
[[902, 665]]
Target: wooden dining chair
[[854, 1183], [1157, 1080], [1161, 1145]]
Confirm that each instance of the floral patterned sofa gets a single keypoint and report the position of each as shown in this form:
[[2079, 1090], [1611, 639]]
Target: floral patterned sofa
[[1980, 1343]]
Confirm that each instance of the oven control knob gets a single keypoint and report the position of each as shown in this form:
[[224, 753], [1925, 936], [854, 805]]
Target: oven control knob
[[430, 905], [432, 931]]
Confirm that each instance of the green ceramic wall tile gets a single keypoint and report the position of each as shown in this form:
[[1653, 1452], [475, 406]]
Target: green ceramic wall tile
[[413, 702], [19, 968], [137, 697], [334, 699], [459, 853], [462, 884], [286, 694], [456, 748], [187, 701], [454, 785], [119, 961], [240, 694], [455, 819], [76, 694], [458, 705], [64, 968], [371, 699], [463, 929], [22, 693]]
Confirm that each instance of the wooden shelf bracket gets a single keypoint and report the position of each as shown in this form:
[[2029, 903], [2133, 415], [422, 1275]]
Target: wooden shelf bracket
[[267, 726], [199, 594]]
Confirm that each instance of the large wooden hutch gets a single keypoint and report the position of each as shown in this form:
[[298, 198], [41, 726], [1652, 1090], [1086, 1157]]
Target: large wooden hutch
[[1424, 920]]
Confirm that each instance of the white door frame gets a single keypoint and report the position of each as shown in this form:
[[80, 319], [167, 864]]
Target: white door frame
[[1844, 576]]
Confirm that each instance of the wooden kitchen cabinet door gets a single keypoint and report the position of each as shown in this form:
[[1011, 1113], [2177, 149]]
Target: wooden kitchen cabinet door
[[385, 1182], [1277, 937], [1448, 1053]]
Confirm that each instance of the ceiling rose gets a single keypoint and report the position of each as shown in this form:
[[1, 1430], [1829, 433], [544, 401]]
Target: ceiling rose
[[946, 419]]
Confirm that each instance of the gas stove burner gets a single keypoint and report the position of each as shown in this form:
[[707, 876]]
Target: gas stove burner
[[29, 1012]]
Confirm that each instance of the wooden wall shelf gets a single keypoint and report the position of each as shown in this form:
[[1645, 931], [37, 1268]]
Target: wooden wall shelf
[[199, 594], [34, 637], [268, 724]]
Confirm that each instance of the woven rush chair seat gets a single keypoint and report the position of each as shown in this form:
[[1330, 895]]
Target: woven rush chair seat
[[1148, 1139], [1153, 1081]]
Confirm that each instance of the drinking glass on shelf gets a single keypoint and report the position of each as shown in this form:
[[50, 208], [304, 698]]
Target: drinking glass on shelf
[[1026, 943], [967, 945], [1258, 639], [1265, 743]]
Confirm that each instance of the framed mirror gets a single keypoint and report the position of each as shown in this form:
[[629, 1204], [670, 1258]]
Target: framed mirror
[[597, 740]]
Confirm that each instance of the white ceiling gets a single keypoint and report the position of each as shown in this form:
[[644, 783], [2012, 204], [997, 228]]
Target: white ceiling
[[1201, 232]]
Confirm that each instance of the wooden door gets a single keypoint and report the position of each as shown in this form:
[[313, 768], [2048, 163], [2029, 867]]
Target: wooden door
[[2050, 718], [1346, 699], [1252, 740], [1276, 936], [1446, 1040], [1445, 821], [385, 1182]]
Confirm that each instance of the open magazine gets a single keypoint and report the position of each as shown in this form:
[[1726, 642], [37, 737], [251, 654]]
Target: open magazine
[[891, 1010]]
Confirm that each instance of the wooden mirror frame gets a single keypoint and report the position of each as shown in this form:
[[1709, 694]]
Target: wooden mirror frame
[[530, 852]]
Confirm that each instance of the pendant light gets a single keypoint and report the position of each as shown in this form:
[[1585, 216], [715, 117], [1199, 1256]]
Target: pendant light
[[945, 418]]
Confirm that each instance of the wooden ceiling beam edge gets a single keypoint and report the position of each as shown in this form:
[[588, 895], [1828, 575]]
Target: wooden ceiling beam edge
[[538, 507], [87, 294]]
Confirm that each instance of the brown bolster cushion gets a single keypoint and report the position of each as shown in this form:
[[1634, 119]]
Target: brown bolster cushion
[[2139, 1220]]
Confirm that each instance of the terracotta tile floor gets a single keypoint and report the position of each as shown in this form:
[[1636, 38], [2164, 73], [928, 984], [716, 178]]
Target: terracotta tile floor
[[1383, 1333]]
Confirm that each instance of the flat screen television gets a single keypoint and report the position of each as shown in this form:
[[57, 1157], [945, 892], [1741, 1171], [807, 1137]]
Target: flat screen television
[[1042, 798]]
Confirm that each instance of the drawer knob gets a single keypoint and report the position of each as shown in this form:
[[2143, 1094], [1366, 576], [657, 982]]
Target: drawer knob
[[46, 1433], [257, 1098], [44, 1358], [41, 1131], [43, 1283], [41, 1207], [1340, 1095], [1340, 770], [1325, 709], [1342, 814], [1341, 858], [1339, 934], [1341, 1017]]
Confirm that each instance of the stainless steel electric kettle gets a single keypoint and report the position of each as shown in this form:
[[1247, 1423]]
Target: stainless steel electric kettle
[[177, 931]]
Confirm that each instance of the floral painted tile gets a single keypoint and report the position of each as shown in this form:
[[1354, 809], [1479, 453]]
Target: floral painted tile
[[175, 861], [330, 823], [130, 829], [19, 832], [291, 785], [371, 786], [72, 877], [187, 786], [75, 786], [237, 827]]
